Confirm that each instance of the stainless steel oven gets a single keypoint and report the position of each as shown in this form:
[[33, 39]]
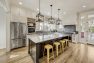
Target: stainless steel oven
[[31, 29]]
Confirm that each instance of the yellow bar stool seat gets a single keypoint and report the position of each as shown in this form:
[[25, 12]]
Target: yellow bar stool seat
[[57, 44], [64, 42], [48, 47], [62, 45]]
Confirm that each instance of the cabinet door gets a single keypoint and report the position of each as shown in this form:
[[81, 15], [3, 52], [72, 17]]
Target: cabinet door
[[75, 38]]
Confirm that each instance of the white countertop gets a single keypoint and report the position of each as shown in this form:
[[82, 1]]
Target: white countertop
[[37, 38]]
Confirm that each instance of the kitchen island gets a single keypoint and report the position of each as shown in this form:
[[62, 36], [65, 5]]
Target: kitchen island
[[37, 42]]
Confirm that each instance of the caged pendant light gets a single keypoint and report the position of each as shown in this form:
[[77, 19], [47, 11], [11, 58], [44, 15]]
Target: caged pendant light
[[39, 16], [58, 21], [51, 20]]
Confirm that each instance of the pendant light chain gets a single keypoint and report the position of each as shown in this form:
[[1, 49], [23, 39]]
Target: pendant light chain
[[39, 6], [51, 11], [58, 13]]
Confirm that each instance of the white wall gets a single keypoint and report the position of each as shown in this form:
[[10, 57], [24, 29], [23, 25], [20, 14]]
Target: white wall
[[2, 28], [70, 19], [4, 25]]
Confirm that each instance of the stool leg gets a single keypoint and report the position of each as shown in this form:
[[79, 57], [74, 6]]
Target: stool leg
[[44, 52], [53, 53], [62, 47], [47, 56], [66, 43], [57, 50]]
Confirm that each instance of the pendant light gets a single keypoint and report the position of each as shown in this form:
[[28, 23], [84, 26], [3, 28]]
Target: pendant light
[[39, 16], [58, 21], [51, 19]]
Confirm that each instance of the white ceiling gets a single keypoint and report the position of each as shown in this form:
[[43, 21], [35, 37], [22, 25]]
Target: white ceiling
[[68, 6]]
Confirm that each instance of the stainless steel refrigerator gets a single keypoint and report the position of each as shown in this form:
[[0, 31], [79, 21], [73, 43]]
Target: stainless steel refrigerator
[[18, 35]]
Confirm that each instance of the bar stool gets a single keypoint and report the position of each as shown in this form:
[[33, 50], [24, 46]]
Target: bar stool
[[62, 45], [66, 40], [48, 47], [57, 44]]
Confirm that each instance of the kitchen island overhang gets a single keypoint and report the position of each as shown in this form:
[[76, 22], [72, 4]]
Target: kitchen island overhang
[[37, 42]]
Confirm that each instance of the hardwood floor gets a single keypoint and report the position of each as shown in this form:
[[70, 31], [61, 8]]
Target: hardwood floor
[[2, 51], [76, 53]]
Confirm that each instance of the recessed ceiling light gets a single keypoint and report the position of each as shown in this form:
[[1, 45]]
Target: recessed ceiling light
[[20, 3], [84, 6]]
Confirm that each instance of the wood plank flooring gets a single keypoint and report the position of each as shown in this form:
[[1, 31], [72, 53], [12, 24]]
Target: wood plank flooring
[[75, 53], [2, 51]]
